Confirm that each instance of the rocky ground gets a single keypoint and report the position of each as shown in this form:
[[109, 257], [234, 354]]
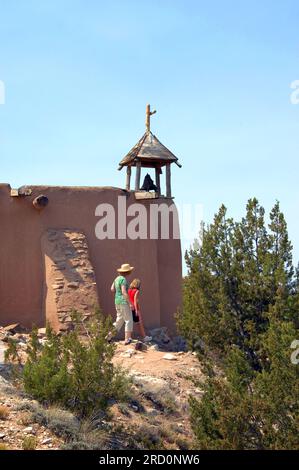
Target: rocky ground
[[157, 416]]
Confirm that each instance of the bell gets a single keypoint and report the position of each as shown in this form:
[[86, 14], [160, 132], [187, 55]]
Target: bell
[[148, 184]]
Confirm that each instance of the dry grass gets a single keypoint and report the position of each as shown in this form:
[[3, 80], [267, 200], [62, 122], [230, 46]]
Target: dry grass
[[25, 418], [4, 412], [4, 447]]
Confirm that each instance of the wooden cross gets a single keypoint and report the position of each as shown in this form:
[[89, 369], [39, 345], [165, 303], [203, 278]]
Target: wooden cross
[[149, 113]]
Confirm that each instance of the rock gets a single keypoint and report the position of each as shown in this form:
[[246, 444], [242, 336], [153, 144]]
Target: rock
[[5, 382], [59, 259], [5, 337], [29, 430], [2, 352], [170, 357], [21, 338], [57, 286], [2, 436], [160, 335], [48, 440], [128, 353], [152, 412], [66, 327], [43, 341], [179, 344], [67, 319], [139, 346], [41, 332], [154, 347], [151, 383], [73, 285], [14, 328]]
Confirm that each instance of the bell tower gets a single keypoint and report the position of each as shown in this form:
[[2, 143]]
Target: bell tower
[[149, 152]]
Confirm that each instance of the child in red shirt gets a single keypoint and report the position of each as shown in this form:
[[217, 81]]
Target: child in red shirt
[[133, 293]]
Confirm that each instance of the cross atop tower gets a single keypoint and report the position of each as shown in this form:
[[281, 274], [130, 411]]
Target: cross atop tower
[[149, 113]]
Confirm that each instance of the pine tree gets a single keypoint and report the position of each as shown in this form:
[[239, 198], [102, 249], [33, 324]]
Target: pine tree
[[240, 305]]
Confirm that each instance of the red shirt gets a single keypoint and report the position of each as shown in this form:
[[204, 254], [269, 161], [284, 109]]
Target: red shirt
[[131, 294]]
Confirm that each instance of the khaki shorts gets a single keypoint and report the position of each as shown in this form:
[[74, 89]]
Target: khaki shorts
[[123, 315]]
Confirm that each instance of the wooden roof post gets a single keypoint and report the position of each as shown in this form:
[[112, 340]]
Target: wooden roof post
[[138, 173], [168, 180], [128, 178], [158, 171], [149, 113]]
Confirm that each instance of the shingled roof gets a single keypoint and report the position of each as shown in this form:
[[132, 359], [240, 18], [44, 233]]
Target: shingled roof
[[150, 151]]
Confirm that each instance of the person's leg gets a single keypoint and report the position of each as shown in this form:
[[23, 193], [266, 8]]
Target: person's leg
[[119, 318], [127, 315], [135, 319], [128, 337], [140, 326], [141, 329], [118, 322]]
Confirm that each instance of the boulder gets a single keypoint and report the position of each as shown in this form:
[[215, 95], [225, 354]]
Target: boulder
[[154, 347], [14, 328], [41, 332], [128, 353], [47, 440], [160, 336], [179, 344], [139, 346], [170, 357]]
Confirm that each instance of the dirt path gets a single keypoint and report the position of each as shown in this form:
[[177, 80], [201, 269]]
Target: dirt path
[[152, 362]]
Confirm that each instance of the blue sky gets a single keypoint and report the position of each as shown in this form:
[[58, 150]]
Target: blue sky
[[78, 75]]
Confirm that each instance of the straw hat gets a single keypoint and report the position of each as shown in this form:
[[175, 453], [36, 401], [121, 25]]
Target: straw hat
[[125, 268]]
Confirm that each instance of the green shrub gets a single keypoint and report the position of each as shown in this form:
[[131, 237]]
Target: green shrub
[[149, 437], [11, 352], [163, 399], [74, 372], [61, 422], [29, 443]]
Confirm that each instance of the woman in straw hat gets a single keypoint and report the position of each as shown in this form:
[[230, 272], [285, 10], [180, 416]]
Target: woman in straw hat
[[122, 303]]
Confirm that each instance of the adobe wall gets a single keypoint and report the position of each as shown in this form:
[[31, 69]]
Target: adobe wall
[[23, 261]]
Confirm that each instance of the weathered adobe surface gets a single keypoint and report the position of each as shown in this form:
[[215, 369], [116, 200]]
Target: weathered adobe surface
[[70, 279], [23, 277]]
